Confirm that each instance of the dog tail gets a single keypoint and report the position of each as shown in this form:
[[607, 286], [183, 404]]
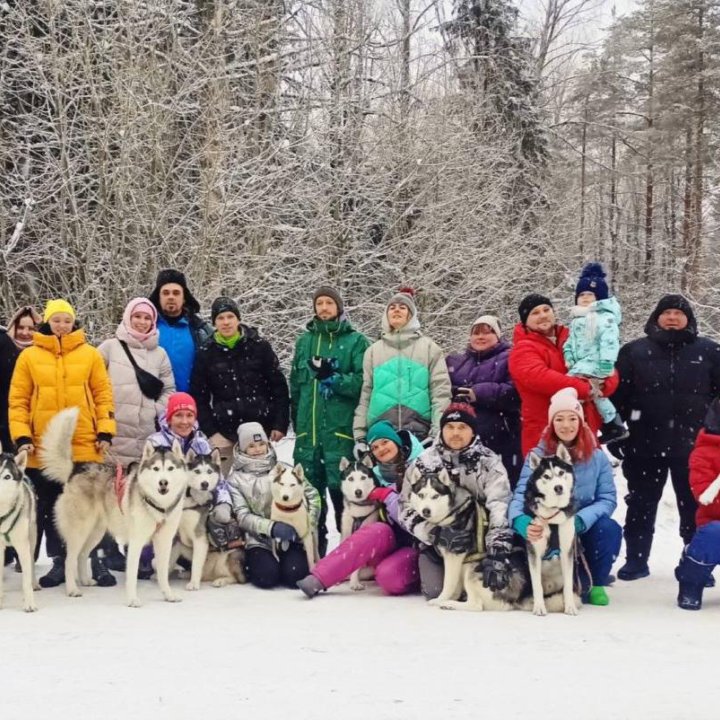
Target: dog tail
[[56, 450]]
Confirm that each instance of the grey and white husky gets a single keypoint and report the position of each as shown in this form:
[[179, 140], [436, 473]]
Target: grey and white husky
[[146, 505], [357, 483], [18, 526]]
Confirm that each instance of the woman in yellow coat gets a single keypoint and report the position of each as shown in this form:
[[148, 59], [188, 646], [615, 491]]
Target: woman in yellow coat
[[59, 370]]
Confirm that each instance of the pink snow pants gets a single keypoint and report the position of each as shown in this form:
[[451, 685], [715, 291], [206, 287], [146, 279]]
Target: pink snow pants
[[396, 570]]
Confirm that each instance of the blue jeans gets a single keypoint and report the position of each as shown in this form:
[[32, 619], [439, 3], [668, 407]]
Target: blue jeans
[[601, 546]]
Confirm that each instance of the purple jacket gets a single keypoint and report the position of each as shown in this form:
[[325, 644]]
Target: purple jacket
[[498, 404]]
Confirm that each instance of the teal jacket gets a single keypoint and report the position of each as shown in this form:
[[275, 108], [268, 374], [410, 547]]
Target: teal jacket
[[405, 381], [594, 341], [326, 419]]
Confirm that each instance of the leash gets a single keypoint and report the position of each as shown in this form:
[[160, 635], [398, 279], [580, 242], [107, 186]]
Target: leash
[[580, 554]]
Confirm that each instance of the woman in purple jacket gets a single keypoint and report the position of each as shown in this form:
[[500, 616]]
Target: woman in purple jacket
[[480, 377]]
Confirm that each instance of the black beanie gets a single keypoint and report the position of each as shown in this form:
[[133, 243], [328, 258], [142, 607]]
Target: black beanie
[[673, 302], [459, 412], [224, 304], [167, 276], [529, 302], [331, 292]]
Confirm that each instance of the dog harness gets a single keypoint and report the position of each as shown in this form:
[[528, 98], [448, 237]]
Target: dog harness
[[17, 509]]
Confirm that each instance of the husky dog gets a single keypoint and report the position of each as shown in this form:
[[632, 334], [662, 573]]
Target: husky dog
[[291, 506], [203, 473], [357, 483], [18, 525], [440, 501], [224, 567], [144, 506], [549, 499]]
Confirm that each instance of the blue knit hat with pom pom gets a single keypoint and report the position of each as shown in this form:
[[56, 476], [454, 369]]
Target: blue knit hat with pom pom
[[592, 279]]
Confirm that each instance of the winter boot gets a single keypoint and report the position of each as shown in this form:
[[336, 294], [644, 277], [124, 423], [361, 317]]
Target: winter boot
[[112, 557], [99, 572], [633, 570], [311, 586], [637, 552], [145, 569], [690, 596], [692, 577], [613, 431], [56, 575], [710, 582]]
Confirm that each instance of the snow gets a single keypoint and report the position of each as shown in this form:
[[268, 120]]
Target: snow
[[240, 652]]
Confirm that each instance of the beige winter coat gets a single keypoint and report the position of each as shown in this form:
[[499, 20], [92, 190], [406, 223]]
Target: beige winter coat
[[135, 414]]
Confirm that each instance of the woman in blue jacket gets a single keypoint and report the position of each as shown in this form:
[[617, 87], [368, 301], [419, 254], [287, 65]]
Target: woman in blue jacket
[[594, 493]]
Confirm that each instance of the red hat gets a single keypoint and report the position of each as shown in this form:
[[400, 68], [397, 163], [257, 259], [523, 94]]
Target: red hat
[[180, 401]]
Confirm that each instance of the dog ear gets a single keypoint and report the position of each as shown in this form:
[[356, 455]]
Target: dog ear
[[191, 455], [215, 456], [564, 454], [344, 464], [21, 460], [534, 460], [148, 450], [299, 472], [176, 450], [367, 460], [277, 471], [444, 477]]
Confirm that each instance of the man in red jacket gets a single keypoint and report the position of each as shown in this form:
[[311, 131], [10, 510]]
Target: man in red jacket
[[703, 552], [538, 369]]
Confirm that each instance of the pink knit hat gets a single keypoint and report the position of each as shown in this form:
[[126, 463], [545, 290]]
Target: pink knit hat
[[140, 304], [180, 401], [565, 400]]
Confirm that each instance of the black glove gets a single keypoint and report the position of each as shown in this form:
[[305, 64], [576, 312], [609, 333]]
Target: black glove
[[454, 540], [322, 367], [283, 532], [495, 568], [618, 449]]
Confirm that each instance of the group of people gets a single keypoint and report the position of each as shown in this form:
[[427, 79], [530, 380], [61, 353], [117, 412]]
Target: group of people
[[399, 401]]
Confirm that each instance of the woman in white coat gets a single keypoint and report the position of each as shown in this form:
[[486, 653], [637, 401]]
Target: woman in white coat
[[135, 411]]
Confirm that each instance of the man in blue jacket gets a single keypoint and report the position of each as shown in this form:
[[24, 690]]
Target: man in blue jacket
[[182, 331]]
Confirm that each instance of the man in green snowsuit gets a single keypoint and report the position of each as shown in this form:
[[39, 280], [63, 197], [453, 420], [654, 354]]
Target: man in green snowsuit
[[325, 383]]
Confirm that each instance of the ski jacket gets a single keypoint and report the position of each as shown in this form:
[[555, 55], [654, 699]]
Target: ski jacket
[[538, 369], [667, 381], [57, 373], [704, 469], [135, 414], [322, 418], [181, 339], [405, 381], [497, 403], [478, 471], [594, 491], [594, 341], [242, 384]]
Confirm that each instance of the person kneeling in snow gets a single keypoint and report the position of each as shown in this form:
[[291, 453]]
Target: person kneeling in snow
[[249, 483], [384, 545], [702, 554]]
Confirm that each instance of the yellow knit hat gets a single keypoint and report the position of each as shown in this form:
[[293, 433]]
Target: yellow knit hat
[[57, 306]]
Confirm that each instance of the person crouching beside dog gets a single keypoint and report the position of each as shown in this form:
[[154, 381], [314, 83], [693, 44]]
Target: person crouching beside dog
[[250, 489], [594, 493], [60, 370], [180, 423], [386, 546], [702, 554], [481, 474]]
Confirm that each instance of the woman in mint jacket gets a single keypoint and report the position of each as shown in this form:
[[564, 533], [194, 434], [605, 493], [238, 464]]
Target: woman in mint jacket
[[405, 379]]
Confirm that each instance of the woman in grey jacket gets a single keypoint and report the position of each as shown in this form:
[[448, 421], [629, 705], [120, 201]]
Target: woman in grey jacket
[[135, 413], [249, 485]]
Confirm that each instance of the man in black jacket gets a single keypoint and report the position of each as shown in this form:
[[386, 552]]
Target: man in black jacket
[[237, 379], [182, 331], [667, 381]]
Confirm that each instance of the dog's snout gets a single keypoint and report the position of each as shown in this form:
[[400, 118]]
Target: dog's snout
[[204, 485], [358, 493], [285, 498], [426, 512], [559, 489], [163, 483]]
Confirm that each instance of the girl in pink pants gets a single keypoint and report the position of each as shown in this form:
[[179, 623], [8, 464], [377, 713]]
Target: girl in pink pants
[[386, 547]]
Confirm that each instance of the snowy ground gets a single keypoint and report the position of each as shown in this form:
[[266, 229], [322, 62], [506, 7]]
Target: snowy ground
[[238, 652]]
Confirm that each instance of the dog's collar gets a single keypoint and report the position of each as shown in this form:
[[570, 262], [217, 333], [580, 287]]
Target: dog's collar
[[361, 503], [17, 509], [288, 508], [162, 510]]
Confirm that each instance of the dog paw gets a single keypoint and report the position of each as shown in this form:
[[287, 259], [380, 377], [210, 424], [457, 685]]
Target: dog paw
[[36, 585], [30, 607], [221, 582], [74, 593], [173, 598], [539, 609], [134, 603], [357, 587], [571, 609], [437, 602], [192, 586]]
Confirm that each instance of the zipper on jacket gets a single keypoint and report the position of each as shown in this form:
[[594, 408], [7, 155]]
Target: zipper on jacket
[[315, 394], [672, 384]]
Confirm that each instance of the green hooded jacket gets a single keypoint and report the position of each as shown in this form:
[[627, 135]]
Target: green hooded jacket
[[320, 421]]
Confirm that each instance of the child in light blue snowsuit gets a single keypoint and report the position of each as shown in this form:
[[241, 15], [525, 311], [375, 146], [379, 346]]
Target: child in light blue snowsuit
[[592, 348]]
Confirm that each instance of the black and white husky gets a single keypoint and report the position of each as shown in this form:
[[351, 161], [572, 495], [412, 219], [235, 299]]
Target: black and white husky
[[437, 499], [18, 527], [192, 542], [144, 506], [357, 483], [549, 500]]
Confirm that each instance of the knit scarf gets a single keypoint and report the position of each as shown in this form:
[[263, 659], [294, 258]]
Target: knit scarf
[[228, 342]]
